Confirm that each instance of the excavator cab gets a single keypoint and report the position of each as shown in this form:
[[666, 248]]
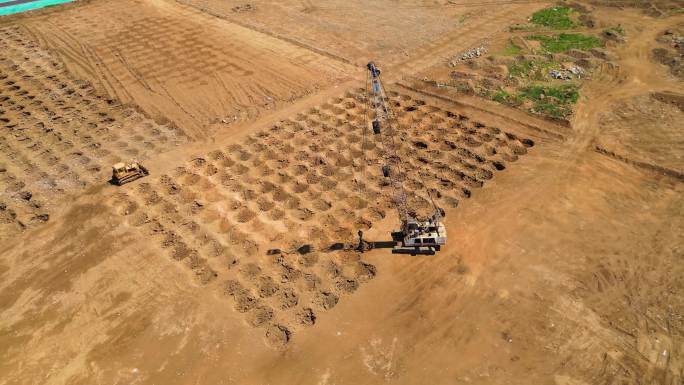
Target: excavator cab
[[430, 233], [422, 236], [123, 173]]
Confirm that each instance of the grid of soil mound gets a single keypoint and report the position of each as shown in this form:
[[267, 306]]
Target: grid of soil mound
[[59, 134], [296, 24], [181, 64], [300, 186]]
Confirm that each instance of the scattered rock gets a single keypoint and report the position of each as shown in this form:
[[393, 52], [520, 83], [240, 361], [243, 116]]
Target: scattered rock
[[568, 73], [468, 55]]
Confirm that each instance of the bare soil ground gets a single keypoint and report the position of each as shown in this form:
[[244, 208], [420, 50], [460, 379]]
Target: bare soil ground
[[564, 259], [180, 64]]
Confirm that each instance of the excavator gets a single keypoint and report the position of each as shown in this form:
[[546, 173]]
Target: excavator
[[123, 173], [416, 235]]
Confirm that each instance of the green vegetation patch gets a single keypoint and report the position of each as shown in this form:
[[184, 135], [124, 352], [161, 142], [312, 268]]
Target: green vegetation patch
[[564, 93], [555, 18], [531, 69], [566, 41], [521, 69], [506, 98], [554, 101], [511, 50]]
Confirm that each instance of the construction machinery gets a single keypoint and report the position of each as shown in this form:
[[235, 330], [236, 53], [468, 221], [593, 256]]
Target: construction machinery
[[123, 173], [416, 235]]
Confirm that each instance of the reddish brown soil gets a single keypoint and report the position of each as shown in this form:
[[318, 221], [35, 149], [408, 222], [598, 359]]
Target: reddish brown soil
[[563, 262]]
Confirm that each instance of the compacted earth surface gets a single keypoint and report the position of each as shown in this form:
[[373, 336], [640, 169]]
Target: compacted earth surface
[[550, 134]]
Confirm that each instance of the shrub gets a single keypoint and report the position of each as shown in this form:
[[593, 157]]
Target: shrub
[[556, 18], [553, 101]]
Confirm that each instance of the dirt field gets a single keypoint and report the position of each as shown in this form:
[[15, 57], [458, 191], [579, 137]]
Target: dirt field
[[179, 64], [564, 257]]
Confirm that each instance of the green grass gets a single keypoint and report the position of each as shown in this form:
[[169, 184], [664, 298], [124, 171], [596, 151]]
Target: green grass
[[565, 93], [554, 101], [530, 69], [566, 41], [506, 98], [521, 69], [555, 18], [511, 50]]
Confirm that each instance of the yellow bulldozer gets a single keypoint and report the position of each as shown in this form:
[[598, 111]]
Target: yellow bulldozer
[[123, 173]]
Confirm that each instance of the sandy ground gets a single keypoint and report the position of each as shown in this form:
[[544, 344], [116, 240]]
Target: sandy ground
[[563, 264], [179, 64]]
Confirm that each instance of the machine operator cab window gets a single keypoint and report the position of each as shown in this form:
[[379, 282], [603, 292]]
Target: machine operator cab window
[[424, 241]]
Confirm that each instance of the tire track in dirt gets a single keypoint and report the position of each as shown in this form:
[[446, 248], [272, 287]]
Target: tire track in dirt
[[191, 49], [623, 81], [60, 135], [315, 50]]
